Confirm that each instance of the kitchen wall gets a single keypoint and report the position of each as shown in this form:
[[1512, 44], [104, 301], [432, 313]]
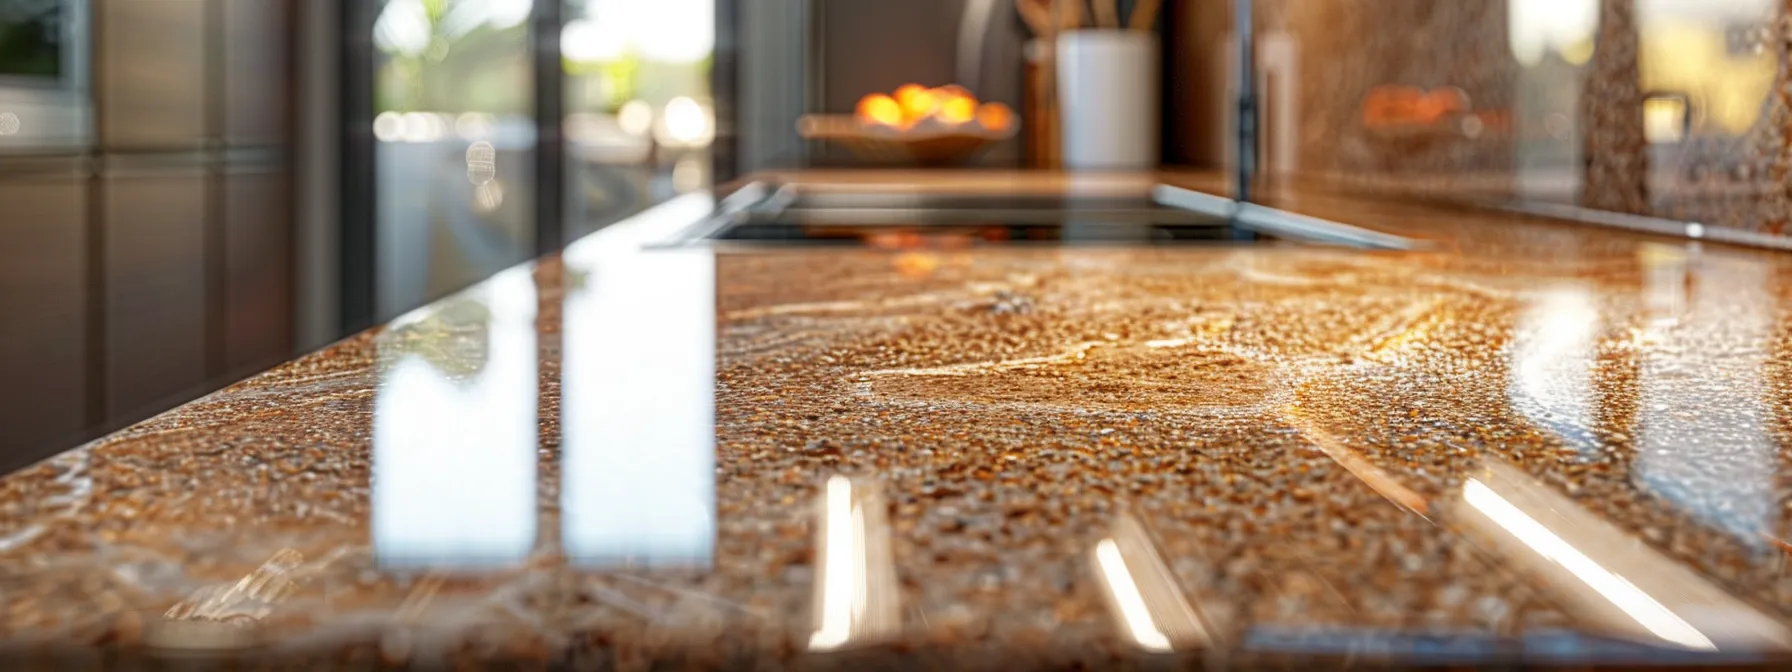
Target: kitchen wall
[[796, 57], [145, 248]]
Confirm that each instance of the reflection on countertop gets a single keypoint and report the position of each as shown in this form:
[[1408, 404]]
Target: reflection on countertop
[[1527, 443]]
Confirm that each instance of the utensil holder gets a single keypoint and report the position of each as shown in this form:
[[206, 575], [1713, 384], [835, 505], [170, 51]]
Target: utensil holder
[[1108, 99]]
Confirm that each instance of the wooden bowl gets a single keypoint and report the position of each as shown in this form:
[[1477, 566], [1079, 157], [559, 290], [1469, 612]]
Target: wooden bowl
[[924, 144]]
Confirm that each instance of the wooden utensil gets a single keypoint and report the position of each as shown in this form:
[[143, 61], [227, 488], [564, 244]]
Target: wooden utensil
[[1070, 14], [1144, 15], [1107, 14], [1039, 106], [1045, 18], [1037, 14]]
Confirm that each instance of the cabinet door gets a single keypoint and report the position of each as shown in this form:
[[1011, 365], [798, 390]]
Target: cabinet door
[[150, 73], [155, 290], [258, 301], [256, 67], [43, 275]]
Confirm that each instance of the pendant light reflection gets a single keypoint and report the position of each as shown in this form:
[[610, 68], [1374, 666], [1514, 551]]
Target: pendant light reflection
[[1607, 578], [1130, 604], [1142, 594], [1638, 605], [856, 600]]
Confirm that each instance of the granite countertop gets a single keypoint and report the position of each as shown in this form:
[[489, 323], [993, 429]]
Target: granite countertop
[[1527, 442]]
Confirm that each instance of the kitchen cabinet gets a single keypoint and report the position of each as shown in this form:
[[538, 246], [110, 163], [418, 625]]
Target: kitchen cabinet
[[258, 291], [155, 289], [151, 74], [256, 62], [149, 259], [43, 270]]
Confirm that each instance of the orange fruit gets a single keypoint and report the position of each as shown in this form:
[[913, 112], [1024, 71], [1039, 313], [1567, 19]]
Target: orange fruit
[[957, 110], [908, 91], [881, 109], [920, 105], [995, 116], [953, 90]]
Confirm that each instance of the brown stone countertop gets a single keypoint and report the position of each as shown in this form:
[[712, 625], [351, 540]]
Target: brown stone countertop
[[1526, 443]]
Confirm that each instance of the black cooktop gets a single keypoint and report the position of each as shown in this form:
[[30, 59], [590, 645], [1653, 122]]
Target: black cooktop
[[898, 219], [901, 233]]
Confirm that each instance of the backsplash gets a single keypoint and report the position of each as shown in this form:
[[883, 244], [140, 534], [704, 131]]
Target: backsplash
[[1679, 109], [1365, 105]]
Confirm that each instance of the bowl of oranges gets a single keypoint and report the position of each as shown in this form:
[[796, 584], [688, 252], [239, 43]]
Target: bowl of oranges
[[934, 126]]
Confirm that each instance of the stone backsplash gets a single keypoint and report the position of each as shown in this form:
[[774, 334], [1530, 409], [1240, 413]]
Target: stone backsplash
[[1672, 108]]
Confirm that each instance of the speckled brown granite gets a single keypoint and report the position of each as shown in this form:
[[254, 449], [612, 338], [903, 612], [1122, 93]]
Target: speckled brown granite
[[1611, 111], [1299, 427]]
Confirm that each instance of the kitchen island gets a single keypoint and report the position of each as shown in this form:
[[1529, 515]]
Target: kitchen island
[[1524, 442]]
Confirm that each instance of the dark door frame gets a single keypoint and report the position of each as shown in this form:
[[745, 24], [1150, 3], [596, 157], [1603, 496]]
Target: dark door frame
[[359, 175], [357, 191]]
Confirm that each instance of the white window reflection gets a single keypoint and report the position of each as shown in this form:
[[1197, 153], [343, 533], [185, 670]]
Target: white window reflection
[[1553, 354], [638, 409], [449, 74], [1702, 402], [1543, 26], [454, 430], [673, 31]]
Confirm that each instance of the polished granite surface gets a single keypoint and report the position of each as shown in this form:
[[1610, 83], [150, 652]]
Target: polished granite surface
[[1527, 442]]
